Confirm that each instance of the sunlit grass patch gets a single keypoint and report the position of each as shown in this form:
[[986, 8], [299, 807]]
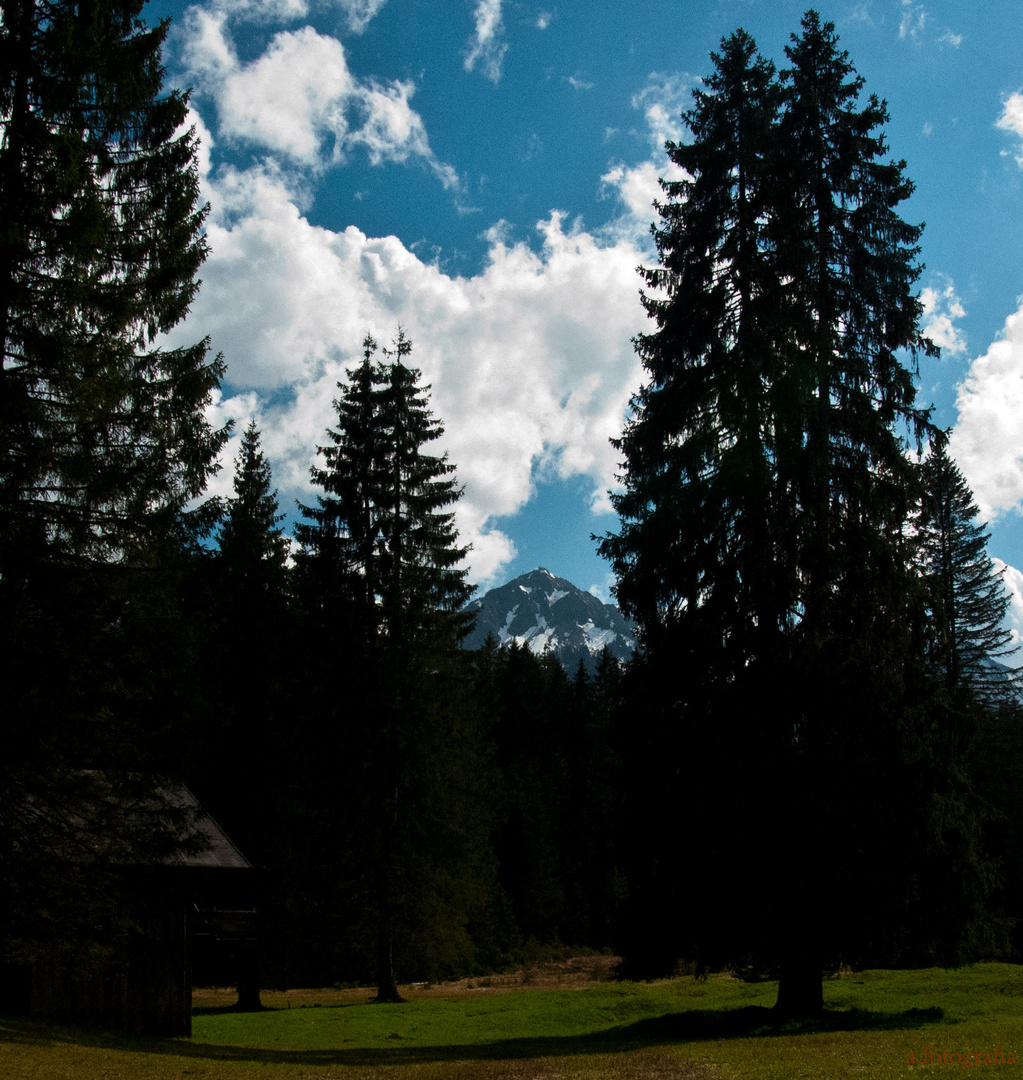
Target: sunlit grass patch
[[684, 1028]]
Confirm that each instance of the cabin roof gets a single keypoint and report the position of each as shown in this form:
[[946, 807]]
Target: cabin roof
[[218, 849]]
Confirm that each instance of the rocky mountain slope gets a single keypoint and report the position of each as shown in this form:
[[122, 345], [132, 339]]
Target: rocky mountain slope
[[544, 612]]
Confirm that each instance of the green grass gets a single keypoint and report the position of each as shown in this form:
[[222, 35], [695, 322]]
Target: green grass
[[683, 1028]]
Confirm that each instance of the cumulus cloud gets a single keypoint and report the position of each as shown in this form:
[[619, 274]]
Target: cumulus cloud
[[987, 440], [1012, 120], [291, 97], [941, 307], [1013, 581], [262, 11], [543, 19], [530, 360], [486, 46], [662, 100], [299, 100], [1012, 114], [357, 12], [393, 131], [637, 186]]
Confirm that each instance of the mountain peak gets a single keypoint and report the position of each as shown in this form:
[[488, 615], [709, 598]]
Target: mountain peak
[[546, 613]]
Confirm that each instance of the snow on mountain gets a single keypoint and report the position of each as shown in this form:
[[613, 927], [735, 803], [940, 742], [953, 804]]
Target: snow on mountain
[[544, 612]]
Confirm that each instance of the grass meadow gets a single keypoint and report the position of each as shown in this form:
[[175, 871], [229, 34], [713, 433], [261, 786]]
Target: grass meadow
[[885, 1024]]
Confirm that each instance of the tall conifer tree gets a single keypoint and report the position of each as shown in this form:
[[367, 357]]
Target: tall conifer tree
[[851, 264], [966, 597], [767, 490], [706, 513], [103, 438], [698, 492], [248, 656], [385, 538], [252, 546]]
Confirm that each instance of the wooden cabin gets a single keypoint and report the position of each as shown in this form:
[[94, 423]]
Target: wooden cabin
[[192, 900]]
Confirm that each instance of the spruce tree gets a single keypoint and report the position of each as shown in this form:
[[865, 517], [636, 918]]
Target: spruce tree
[[967, 599], [705, 515], [341, 536], [249, 654], [422, 590], [767, 487], [253, 548], [381, 552], [103, 438], [104, 445], [697, 501], [851, 264]]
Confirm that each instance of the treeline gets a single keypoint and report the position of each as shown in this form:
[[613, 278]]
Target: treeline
[[443, 831]]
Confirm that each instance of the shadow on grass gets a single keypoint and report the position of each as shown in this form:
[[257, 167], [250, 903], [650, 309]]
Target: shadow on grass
[[690, 1026], [756, 1021]]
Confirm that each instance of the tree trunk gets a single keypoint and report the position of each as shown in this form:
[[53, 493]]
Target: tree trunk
[[247, 966], [387, 988], [801, 986]]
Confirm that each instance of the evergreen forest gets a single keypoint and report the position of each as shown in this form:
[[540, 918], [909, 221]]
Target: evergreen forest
[[822, 709]]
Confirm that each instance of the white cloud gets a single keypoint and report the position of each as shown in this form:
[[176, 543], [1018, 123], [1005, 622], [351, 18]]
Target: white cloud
[[206, 50], [914, 17], [941, 307], [578, 84], [1012, 120], [263, 11], [1012, 113], [299, 100], [603, 589], [914, 22], [637, 186], [662, 101], [291, 98], [357, 12], [394, 131], [861, 13], [360, 12], [1013, 581], [486, 47], [530, 360], [987, 440], [543, 19]]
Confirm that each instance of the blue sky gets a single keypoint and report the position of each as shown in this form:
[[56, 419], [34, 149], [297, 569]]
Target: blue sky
[[481, 172]]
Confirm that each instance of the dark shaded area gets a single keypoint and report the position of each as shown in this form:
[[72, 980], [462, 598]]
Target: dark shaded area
[[690, 1026], [768, 789], [195, 902]]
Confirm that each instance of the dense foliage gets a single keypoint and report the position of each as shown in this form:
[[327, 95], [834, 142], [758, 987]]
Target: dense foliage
[[104, 445], [767, 547]]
